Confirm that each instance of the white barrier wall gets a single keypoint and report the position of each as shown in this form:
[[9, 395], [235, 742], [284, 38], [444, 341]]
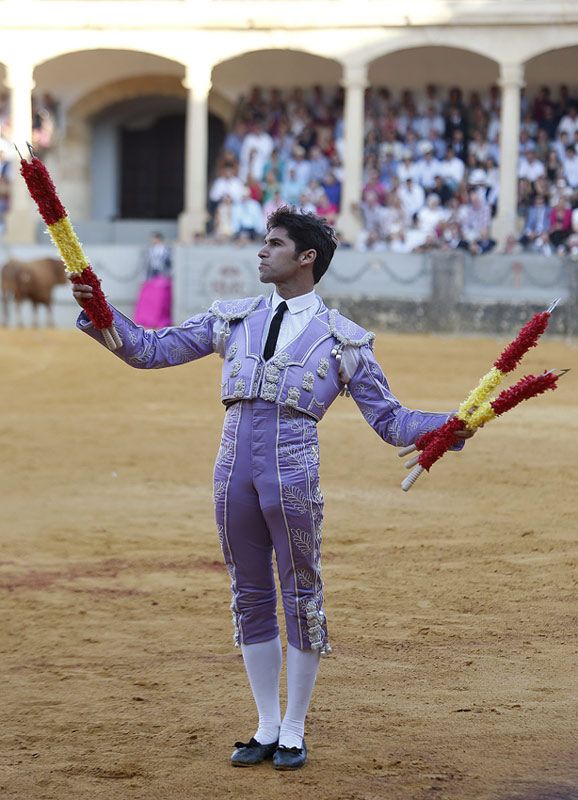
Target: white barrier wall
[[204, 272]]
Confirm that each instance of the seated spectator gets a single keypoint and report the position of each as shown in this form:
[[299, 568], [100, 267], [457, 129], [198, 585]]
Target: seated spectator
[[553, 167], [427, 169], [372, 213], [227, 183], [537, 225], [332, 187], [478, 147], [256, 150], [223, 230], [431, 215], [452, 169], [442, 190], [569, 123], [374, 186], [325, 208], [475, 218], [234, 139], [305, 205], [255, 188], [561, 144], [529, 166], [247, 219], [318, 164], [292, 187], [570, 167], [412, 198], [560, 225], [299, 164], [407, 168], [270, 185]]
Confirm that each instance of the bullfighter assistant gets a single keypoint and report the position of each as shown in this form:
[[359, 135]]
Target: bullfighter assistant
[[286, 357]]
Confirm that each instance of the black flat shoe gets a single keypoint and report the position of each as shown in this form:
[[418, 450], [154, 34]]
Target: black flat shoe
[[290, 757], [248, 754]]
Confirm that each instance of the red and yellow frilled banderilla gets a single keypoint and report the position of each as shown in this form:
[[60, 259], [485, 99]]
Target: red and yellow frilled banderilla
[[478, 409], [62, 233]]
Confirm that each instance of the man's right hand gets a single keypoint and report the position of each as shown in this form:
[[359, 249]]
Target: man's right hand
[[81, 293]]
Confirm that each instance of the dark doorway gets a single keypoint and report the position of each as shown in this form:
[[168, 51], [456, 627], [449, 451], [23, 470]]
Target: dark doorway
[[152, 169], [152, 161]]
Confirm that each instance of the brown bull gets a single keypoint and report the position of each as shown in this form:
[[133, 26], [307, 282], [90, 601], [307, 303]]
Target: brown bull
[[33, 281]]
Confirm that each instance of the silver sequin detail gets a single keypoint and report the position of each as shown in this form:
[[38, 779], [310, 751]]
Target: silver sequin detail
[[272, 374], [239, 388], [315, 620], [236, 368], [269, 392], [323, 367], [344, 330], [232, 351], [308, 380], [293, 396], [281, 360]]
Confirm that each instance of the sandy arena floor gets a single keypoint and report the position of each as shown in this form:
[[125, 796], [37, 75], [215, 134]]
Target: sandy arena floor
[[451, 608]]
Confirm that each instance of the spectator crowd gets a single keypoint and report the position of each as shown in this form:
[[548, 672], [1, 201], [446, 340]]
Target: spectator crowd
[[431, 164], [431, 167]]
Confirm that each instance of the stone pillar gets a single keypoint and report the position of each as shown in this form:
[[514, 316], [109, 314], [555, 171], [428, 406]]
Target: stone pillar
[[354, 82], [194, 216], [511, 80], [22, 218]]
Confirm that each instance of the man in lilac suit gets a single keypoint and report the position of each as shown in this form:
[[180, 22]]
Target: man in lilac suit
[[286, 357]]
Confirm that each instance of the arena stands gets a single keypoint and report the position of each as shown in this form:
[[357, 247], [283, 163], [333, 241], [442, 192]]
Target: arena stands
[[431, 166]]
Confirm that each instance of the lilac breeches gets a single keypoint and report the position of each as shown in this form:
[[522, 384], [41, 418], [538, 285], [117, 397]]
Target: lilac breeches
[[267, 499]]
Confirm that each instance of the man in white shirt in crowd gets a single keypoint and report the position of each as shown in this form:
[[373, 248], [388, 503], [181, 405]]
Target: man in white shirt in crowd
[[299, 165], [569, 123], [257, 140], [452, 169], [228, 183], [407, 168], [570, 167], [530, 167], [247, 218], [428, 168], [431, 215], [412, 198]]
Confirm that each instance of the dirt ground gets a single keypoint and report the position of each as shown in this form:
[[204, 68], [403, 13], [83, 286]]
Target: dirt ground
[[451, 608]]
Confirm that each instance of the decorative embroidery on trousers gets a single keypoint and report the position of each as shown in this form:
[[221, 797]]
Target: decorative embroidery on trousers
[[269, 507]]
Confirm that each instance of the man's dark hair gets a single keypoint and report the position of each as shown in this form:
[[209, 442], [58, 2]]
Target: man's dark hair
[[308, 232]]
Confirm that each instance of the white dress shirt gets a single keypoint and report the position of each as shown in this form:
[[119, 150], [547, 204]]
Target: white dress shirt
[[300, 311]]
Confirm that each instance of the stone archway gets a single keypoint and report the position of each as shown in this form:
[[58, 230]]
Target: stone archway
[[75, 147], [437, 64], [553, 69]]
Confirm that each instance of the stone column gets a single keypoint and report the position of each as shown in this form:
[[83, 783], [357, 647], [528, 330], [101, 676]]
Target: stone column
[[194, 216], [511, 80], [354, 82], [22, 218]]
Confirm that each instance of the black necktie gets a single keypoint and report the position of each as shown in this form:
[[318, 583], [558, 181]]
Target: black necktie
[[273, 334]]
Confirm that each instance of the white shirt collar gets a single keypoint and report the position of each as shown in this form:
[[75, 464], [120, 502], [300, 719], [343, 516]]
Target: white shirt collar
[[295, 304]]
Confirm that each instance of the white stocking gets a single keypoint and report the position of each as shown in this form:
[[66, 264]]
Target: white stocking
[[302, 667], [263, 664]]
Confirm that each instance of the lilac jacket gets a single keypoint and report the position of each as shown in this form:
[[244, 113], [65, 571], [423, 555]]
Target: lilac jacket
[[306, 374]]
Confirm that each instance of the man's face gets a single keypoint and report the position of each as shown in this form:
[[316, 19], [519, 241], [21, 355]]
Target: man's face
[[278, 261]]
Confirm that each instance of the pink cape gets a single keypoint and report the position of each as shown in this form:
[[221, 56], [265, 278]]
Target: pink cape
[[153, 307]]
